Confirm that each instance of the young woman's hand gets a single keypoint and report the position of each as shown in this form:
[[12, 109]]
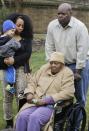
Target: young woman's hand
[[9, 61]]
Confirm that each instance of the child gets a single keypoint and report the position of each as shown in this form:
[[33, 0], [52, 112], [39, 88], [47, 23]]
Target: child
[[8, 46]]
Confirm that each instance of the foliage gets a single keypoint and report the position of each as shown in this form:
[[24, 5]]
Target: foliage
[[3, 13], [37, 60]]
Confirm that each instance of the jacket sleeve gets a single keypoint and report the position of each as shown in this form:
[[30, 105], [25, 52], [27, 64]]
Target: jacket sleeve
[[2, 64], [22, 58], [33, 81], [82, 46], [67, 87]]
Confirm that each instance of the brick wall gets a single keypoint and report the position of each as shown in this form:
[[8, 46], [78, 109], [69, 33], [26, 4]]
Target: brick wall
[[42, 16]]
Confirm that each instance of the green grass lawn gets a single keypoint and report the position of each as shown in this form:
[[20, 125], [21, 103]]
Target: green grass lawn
[[38, 59]]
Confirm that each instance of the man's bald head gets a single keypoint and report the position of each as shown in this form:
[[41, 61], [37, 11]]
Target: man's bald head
[[64, 14], [65, 6]]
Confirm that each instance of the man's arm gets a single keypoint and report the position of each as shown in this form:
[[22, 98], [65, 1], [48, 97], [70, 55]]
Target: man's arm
[[82, 46], [49, 44]]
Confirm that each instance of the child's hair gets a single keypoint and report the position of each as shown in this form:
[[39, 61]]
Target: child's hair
[[8, 25]]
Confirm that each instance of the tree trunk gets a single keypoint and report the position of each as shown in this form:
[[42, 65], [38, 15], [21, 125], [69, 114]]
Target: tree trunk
[[3, 3]]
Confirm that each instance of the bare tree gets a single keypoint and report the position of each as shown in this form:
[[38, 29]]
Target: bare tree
[[18, 2], [18, 5], [3, 11], [85, 1], [3, 3]]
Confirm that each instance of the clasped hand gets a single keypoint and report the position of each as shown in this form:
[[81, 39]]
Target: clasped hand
[[38, 102]]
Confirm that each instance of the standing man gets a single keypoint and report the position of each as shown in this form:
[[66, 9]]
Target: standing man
[[70, 36]]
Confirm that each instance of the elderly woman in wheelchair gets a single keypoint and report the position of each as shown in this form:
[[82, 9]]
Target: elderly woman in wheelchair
[[51, 83]]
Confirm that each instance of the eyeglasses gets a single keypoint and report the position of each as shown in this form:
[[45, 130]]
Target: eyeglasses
[[54, 62]]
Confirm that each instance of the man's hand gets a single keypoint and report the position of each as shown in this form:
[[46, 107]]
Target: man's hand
[[9, 61], [29, 97], [77, 74]]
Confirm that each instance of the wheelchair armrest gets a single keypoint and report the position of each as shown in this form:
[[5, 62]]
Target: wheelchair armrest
[[60, 109], [63, 103]]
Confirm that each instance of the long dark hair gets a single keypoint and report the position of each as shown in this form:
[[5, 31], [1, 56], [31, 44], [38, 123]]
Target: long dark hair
[[27, 33]]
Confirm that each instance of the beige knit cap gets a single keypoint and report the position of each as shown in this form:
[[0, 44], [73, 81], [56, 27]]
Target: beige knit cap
[[57, 56]]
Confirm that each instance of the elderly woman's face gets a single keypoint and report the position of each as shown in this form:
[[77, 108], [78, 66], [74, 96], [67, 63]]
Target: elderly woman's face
[[55, 67], [19, 25]]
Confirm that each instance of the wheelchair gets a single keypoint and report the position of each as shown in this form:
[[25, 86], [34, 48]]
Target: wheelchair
[[64, 110], [66, 114]]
